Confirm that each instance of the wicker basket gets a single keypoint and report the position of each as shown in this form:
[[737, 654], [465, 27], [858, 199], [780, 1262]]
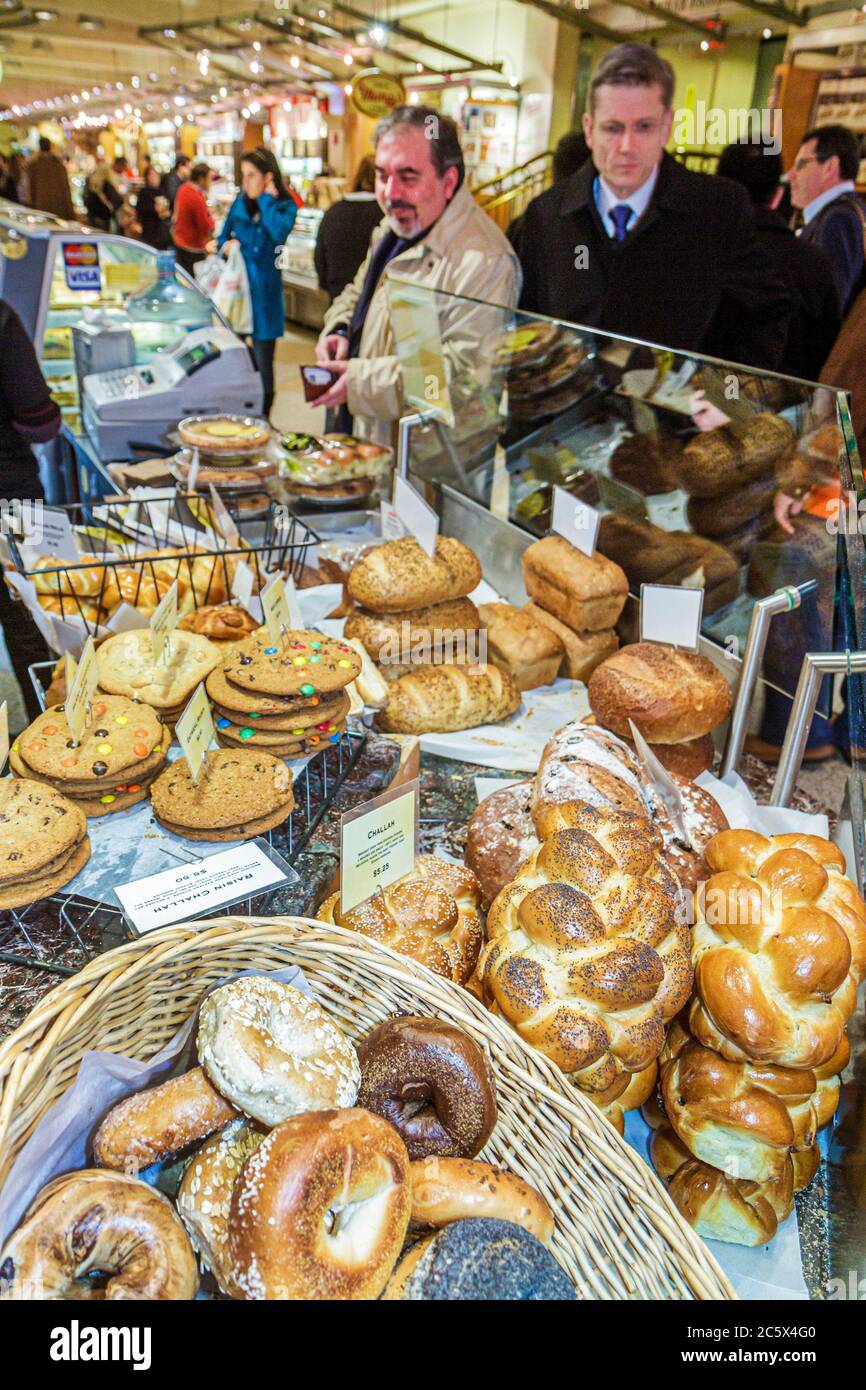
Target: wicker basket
[[617, 1233]]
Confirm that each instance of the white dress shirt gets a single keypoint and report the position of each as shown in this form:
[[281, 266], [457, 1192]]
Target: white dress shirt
[[639, 201], [829, 195]]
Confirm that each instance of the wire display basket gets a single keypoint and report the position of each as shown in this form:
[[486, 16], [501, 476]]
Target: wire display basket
[[135, 548], [62, 933]]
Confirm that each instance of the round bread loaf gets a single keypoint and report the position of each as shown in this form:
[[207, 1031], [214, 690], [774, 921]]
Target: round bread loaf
[[499, 836], [481, 1259], [671, 695]]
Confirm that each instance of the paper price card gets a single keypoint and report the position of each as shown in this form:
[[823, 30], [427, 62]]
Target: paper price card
[[4, 734], [276, 609], [51, 529], [163, 624], [192, 475], [193, 890], [671, 614], [377, 844], [222, 520], [575, 520], [80, 696], [71, 667], [243, 581], [392, 527], [195, 731], [419, 519]]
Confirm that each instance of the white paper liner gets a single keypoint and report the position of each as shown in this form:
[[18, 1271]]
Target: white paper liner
[[60, 1142]]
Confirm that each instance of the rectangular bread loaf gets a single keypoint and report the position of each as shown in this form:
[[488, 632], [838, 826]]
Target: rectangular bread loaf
[[585, 592], [583, 650], [518, 643]]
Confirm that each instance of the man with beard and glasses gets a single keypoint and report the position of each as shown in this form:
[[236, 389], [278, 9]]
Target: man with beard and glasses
[[434, 234]]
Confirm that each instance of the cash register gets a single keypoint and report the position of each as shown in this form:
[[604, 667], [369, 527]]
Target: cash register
[[132, 408]]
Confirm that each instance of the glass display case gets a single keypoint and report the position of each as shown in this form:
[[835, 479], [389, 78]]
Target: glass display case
[[684, 456], [305, 302], [52, 271]]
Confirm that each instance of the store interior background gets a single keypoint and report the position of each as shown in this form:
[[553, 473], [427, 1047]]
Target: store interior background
[[212, 79]]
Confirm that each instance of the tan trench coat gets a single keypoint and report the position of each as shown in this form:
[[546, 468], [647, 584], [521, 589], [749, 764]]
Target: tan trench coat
[[464, 254]]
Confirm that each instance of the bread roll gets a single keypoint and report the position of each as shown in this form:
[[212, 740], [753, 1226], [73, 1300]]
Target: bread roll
[[670, 695], [528, 649], [400, 575], [443, 699], [585, 592], [583, 650], [437, 625]]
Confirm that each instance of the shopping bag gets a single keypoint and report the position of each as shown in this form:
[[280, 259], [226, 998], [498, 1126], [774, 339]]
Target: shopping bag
[[232, 294], [208, 273]]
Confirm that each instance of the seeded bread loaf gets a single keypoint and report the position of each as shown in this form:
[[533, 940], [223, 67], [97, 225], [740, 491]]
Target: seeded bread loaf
[[443, 699], [400, 575]]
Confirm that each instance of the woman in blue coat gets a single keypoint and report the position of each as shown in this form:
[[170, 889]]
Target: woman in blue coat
[[259, 220]]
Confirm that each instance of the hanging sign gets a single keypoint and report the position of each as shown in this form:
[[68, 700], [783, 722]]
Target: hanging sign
[[376, 93]]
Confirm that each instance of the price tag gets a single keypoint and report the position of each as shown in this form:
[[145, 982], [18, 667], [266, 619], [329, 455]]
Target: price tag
[[223, 521], [163, 623], [276, 609], [419, 519], [377, 844], [192, 476], [243, 582], [293, 604], [503, 403], [575, 520], [4, 734], [80, 696], [671, 614], [392, 527], [500, 491], [193, 890], [50, 529], [195, 731]]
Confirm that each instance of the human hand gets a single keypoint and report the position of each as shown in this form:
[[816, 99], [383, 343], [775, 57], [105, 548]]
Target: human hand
[[705, 415], [336, 393], [332, 347], [229, 245], [784, 507], [270, 186]]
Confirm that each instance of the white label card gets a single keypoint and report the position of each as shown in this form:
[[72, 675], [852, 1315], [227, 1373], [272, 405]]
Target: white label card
[[377, 844], [293, 603], [192, 476], [196, 889], [575, 520], [242, 583], [419, 519], [392, 527], [500, 487], [50, 529], [222, 521], [671, 614]]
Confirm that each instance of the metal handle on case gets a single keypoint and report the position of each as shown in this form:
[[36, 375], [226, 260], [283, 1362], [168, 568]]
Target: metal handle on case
[[405, 425], [782, 601], [815, 666]]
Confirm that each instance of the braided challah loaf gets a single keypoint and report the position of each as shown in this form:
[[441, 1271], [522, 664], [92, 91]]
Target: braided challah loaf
[[588, 957], [431, 914], [744, 1118], [779, 948]]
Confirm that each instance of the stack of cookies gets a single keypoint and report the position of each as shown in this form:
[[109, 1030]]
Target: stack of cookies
[[240, 794], [127, 667], [43, 843], [122, 750], [289, 698]]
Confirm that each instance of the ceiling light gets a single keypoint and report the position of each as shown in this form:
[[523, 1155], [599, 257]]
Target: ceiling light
[[136, 81], [74, 99], [180, 101], [153, 77], [768, 33], [512, 81], [704, 45], [295, 61], [128, 109], [413, 98], [89, 21], [257, 46], [255, 67], [119, 114], [322, 14], [378, 34], [348, 89], [255, 106], [85, 96], [348, 59], [169, 34], [178, 120]]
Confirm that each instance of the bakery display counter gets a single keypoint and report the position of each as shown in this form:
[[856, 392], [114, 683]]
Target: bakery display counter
[[683, 456]]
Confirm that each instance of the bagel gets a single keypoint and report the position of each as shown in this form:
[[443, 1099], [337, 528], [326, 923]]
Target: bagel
[[152, 1125], [479, 1260], [432, 1082], [95, 1222], [205, 1194], [321, 1208], [452, 1189], [273, 1052]]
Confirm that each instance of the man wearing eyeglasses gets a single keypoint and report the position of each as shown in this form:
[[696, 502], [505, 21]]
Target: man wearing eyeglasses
[[822, 185], [636, 244]]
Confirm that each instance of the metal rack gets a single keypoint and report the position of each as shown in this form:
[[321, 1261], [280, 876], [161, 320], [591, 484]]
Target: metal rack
[[62, 933], [130, 532]]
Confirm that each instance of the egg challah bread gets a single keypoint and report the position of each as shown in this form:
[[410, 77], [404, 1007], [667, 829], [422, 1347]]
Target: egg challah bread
[[588, 957], [431, 915], [744, 1117], [779, 948]]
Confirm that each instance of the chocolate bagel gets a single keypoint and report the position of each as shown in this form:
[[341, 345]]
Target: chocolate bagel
[[432, 1082]]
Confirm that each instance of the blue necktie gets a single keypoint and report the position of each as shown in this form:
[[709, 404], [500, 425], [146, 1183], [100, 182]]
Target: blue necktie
[[619, 216]]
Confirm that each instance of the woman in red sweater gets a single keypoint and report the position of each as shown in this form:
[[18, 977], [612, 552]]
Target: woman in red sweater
[[193, 225]]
